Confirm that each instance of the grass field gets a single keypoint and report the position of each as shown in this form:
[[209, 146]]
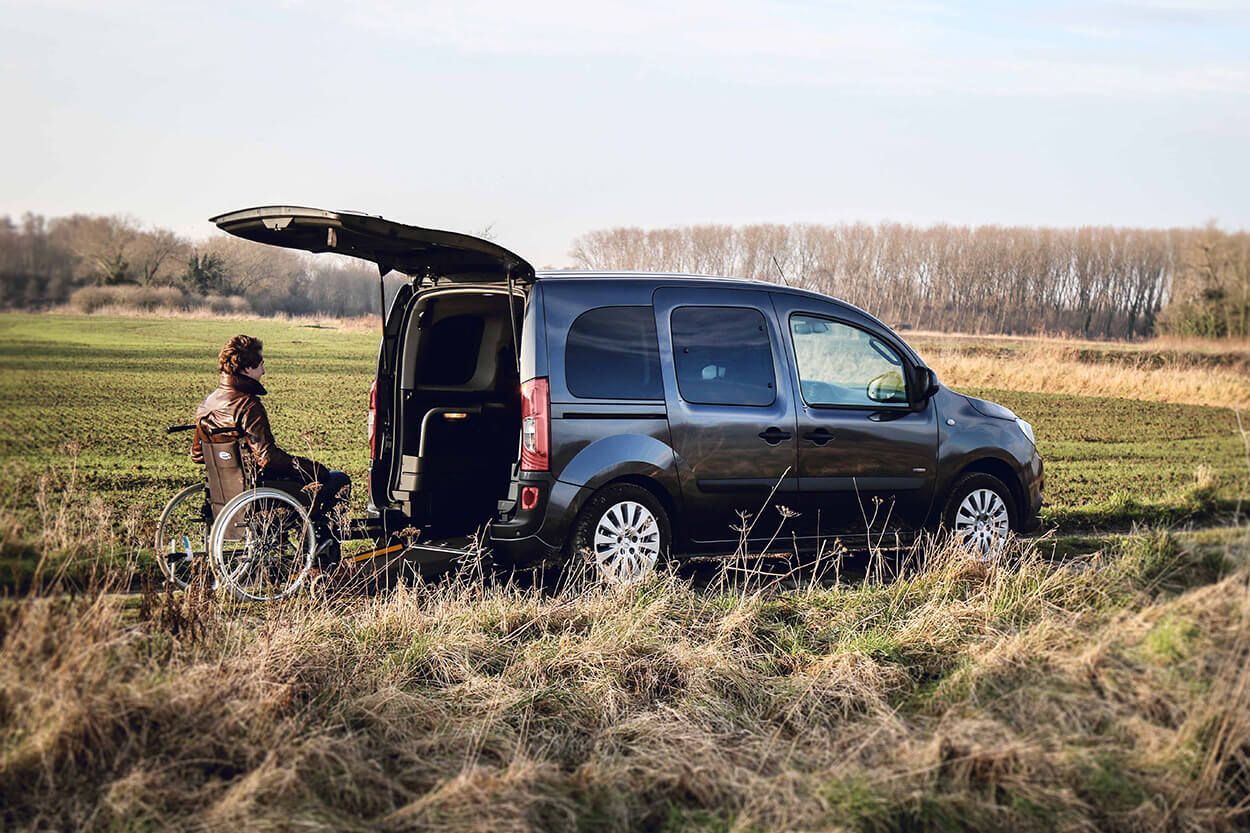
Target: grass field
[[87, 400], [1107, 689], [92, 395]]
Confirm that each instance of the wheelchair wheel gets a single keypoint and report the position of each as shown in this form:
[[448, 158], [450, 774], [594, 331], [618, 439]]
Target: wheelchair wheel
[[182, 536], [262, 545]]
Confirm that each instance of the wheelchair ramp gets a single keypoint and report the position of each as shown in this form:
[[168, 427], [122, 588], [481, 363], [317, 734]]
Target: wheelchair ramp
[[431, 552]]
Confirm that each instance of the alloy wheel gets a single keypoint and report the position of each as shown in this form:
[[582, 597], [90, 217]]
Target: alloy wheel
[[982, 522], [627, 542]]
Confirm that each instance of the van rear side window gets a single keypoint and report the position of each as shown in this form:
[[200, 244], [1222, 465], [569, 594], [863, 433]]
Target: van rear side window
[[613, 353]]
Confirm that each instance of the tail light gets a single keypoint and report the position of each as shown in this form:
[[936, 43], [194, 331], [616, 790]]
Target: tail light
[[535, 425], [373, 420]]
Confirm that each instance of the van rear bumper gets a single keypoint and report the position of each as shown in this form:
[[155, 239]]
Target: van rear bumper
[[539, 532]]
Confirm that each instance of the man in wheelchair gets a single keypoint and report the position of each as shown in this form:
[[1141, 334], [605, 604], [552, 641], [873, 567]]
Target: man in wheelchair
[[236, 404]]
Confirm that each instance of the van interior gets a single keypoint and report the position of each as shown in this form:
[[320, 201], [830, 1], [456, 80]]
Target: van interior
[[459, 416]]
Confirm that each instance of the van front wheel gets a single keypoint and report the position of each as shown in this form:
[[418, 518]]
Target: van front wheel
[[980, 512], [623, 531]]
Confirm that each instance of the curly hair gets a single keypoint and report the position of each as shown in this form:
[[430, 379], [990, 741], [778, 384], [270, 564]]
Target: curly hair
[[240, 353]]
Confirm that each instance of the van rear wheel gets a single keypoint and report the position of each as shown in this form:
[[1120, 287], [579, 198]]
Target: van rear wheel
[[623, 531]]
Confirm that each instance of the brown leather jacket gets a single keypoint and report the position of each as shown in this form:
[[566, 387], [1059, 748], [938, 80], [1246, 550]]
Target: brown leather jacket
[[236, 402]]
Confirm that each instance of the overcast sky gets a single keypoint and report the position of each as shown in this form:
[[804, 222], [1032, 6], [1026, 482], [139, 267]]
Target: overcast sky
[[544, 119]]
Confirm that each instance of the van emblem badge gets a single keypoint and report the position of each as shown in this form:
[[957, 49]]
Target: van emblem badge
[[225, 455]]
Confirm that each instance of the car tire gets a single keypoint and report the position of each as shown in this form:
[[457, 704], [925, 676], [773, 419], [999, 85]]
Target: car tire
[[623, 532], [981, 509]]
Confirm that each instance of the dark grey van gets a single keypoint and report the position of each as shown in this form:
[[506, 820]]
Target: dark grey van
[[631, 414]]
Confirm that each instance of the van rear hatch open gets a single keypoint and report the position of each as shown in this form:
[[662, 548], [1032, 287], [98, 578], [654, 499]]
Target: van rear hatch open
[[446, 403], [412, 250]]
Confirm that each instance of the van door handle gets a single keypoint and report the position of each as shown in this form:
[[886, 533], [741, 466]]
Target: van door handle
[[820, 436], [774, 435]]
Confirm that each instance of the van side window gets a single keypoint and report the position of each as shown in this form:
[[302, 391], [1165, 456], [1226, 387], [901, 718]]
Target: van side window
[[843, 365], [612, 353], [722, 356]]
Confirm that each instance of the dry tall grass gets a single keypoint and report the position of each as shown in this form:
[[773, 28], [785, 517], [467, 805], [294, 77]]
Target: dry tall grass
[[1168, 342], [963, 695], [1161, 371]]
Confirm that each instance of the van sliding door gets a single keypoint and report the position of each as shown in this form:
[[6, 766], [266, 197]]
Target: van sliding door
[[730, 411]]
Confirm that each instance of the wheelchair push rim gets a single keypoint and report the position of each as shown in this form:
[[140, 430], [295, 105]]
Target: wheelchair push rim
[[262, 545]]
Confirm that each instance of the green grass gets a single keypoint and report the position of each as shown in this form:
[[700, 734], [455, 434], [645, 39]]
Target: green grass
[[110, 386], [1119, 461], [104, 389], [1103, 689]]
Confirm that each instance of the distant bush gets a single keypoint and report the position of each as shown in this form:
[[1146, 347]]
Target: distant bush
[[227, 304], [146, 298], [92, 298], [154, 299]]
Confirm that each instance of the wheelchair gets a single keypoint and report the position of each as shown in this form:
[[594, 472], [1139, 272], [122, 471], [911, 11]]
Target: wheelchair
[[254, 536]]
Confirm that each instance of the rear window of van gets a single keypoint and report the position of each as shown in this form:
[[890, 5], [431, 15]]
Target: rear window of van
[[613, 353]]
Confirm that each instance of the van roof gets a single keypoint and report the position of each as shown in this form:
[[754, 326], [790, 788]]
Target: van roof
[[573, 274], [691, 279], [683, 278]]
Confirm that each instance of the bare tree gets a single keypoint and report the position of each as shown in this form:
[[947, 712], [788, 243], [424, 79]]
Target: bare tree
[[1091, 281], [157, 256], [252, 268], [102, 245]]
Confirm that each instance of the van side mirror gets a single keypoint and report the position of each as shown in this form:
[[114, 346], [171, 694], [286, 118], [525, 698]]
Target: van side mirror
[[926, 385], [888, 387]]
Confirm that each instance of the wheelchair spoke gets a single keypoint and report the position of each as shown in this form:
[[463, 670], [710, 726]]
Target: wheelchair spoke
[[263, 544]]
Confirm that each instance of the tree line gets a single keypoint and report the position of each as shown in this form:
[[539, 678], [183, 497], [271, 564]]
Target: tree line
[[1089, 281], [92, 261]]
